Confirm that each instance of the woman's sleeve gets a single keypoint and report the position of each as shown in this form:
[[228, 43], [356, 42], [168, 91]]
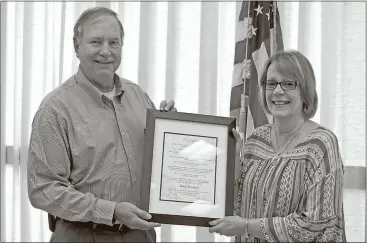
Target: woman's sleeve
[[320, 214]]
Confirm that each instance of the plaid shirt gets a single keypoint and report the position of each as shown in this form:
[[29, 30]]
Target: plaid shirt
[[86, 151]]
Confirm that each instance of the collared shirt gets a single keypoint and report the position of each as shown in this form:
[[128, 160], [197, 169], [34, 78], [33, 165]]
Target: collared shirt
[[111, 94], [86, 151]]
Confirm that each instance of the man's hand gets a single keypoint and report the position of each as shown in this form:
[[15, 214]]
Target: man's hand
[[133, 217], [167, 106]]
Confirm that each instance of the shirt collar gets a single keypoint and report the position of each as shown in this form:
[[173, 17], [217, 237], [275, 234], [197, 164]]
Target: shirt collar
[[94, 91]]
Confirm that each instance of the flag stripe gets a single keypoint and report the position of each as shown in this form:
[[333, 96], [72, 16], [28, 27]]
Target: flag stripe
[[236, 92], [244, 13], [240, 51], [237, 74], [258, 115]]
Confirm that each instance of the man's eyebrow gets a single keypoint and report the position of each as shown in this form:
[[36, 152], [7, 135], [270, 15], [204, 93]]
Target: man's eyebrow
[[101, 38], [94, 38]]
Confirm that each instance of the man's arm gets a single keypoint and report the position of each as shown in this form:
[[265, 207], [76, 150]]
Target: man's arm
[[149, 102], [49, 167]]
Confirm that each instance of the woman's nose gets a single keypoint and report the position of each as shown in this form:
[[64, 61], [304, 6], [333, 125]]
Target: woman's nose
[[278, 89]]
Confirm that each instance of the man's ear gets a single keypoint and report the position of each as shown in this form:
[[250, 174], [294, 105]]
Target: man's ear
[[76, 46]]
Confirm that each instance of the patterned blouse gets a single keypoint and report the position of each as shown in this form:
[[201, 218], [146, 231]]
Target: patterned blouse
[[298, 196]]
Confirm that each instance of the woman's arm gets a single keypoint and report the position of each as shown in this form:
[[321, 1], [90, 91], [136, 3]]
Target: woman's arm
[[319, 216], [321, 219], [235, 225], [255, 229]]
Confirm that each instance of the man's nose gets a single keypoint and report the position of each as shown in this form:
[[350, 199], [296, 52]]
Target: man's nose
[[105, 49]]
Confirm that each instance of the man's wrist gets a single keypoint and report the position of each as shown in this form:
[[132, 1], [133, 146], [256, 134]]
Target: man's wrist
[[114, 215], [115, 218]]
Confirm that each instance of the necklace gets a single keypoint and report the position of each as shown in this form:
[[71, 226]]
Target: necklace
[[289, 141]]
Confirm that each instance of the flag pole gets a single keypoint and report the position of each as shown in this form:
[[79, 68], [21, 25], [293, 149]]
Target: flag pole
[[243, 115], [273, 38], [244, 99], [242, 118]]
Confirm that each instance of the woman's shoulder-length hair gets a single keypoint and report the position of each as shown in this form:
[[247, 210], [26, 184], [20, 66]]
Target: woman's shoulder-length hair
[[293, 65]]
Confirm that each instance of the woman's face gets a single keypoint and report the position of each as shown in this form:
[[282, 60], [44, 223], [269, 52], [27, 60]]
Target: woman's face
[[283, 103]]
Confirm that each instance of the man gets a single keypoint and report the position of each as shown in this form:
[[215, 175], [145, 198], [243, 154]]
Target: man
[[86, 146]]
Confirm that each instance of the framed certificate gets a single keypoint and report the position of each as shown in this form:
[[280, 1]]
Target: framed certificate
[[188, 169]]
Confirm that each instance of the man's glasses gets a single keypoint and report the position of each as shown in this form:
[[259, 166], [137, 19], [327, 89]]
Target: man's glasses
[[285, 85]]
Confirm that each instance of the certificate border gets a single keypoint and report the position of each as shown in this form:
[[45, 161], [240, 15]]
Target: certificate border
[[216, 165], [152, 114]]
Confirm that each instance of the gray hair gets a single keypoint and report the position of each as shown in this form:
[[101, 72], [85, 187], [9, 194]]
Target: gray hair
[[90, 14]]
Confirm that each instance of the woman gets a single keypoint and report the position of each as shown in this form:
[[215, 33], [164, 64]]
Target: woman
[[291, 182]]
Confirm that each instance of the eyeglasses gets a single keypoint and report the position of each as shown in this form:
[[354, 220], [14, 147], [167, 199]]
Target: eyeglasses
[[285, 85]]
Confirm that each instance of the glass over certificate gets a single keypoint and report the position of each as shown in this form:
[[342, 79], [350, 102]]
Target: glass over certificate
[[189, 165]]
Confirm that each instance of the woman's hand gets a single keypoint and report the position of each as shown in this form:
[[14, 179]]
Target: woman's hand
[[228, 226]]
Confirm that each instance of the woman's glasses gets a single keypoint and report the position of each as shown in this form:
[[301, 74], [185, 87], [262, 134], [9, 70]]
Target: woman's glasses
[[285, 85]]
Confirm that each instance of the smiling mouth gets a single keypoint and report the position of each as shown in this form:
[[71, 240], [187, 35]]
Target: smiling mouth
[[103, 62], [280, 103]]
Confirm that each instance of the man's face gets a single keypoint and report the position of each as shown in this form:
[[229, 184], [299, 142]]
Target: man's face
[[99, 50]]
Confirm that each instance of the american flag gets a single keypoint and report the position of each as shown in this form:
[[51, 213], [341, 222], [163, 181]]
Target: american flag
[[257, 37]]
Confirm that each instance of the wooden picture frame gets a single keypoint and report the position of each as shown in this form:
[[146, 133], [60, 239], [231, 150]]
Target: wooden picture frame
[[189, 168]]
